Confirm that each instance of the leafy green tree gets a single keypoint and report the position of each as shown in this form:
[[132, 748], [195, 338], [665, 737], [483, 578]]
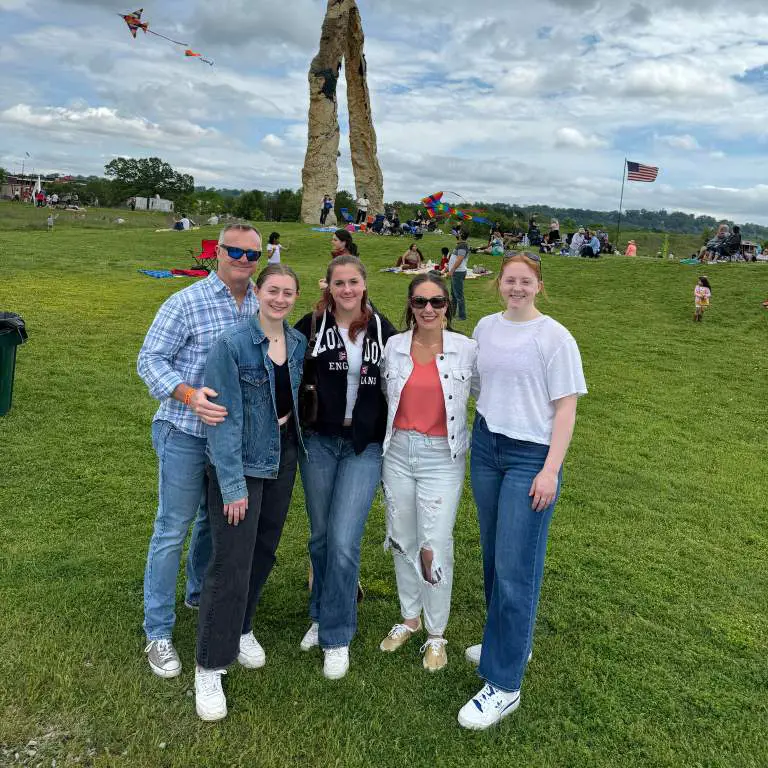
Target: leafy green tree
[[249, 205], [147, 177], [3, 175]]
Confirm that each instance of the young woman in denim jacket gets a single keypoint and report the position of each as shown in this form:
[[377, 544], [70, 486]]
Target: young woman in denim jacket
[[342, 466], [529, 378], [256, 369], [428, 372]]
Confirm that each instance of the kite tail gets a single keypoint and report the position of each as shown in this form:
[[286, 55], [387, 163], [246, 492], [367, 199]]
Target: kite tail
[[175, 42]]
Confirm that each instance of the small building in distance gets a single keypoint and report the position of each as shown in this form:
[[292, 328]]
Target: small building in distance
[[155, 203]]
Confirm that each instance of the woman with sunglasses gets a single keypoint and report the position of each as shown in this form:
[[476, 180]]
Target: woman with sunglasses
[[428, 372], [256, 369], [529, 378], [341, 469]]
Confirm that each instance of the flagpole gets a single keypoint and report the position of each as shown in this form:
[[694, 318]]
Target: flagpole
[[621, 202]]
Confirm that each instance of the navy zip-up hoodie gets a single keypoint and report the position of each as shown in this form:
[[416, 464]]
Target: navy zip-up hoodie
[[369, 417]]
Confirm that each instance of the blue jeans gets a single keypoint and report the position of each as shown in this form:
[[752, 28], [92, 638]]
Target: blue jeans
[[339, 487], [182, 492], [514, 541], [457, 295]]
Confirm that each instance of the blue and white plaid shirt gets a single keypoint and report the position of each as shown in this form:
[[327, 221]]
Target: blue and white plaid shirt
[[177, 344]]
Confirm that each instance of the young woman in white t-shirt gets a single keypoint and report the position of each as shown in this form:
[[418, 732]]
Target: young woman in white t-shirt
[[529, 378]]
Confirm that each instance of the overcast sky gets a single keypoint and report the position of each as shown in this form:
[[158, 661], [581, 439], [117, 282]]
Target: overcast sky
[[495, 100]]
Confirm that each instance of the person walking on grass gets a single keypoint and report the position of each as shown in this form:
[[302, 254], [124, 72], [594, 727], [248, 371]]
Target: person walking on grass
[[428, 372], [171, 363], [457, 272], [256, 369], [702, 294], [529, 378], [341, 469]]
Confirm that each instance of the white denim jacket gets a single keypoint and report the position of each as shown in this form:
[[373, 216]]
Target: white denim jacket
[[456, 365]]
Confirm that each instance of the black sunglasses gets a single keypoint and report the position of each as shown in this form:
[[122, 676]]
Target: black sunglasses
[[437, 302], [237, 253]]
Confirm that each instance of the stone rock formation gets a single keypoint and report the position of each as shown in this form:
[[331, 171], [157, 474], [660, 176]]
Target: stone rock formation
[[341, 39]]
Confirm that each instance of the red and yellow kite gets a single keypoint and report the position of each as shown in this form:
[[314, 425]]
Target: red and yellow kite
[[134, 22]]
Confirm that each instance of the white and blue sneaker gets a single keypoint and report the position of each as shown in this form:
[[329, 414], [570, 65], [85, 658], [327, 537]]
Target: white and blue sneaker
[[488, 707]]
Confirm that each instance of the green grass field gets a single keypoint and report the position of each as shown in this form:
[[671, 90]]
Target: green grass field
[[652, 636]]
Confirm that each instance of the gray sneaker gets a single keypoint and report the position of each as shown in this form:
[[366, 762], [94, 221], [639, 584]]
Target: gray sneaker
[[162, 658]]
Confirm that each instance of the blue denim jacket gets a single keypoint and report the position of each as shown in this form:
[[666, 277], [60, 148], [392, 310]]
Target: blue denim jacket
[[247, 442]]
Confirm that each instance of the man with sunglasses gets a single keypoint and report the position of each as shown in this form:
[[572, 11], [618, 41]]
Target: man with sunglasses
[[171, 363]]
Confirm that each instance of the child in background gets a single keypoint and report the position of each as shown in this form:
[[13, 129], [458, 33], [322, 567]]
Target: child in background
[[274, 248], [701, 296], [51, 219], [444, 252]]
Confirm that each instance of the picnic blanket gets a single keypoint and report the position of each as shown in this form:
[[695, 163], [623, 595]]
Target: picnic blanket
[[157, 273], [690, 261], [430, 268], [160, 273], [324, 229]]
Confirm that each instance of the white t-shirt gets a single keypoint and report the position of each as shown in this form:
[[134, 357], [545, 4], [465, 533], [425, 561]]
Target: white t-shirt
[[354, 361], [185, 223], [273, 251], [523, 368]]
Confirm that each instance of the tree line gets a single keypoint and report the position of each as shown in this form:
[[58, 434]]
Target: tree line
[[145, 177]]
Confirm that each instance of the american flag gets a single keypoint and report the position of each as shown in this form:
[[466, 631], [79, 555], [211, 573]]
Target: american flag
[[640, 172]]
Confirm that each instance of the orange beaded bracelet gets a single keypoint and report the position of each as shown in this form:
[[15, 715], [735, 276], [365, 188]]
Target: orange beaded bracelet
[[188, 395]]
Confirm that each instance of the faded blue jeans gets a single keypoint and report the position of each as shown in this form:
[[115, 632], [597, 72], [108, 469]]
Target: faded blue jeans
[[182, 500], [339, 487], [514, 542]]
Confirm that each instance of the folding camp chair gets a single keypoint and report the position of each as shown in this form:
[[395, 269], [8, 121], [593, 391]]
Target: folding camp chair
[[346, 216], [206, 259]]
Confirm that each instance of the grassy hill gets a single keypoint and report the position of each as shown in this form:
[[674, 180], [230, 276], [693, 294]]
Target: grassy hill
[[652, 636]]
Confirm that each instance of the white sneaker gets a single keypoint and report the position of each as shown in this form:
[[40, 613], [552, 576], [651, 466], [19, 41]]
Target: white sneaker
[[162, 658], [488, 707], [310, 640], [210, 702], [251, 654], [336, 662], [472, 654]]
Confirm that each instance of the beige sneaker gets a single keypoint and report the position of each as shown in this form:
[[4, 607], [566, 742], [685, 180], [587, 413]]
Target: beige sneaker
[[398, 636], [435, 657]]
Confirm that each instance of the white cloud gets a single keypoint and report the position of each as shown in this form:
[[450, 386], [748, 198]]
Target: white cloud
[[101, 121], [272, 142], [684, 141], [573, 137]]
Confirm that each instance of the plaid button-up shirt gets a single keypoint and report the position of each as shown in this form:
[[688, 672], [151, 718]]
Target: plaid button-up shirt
[[176, 347]]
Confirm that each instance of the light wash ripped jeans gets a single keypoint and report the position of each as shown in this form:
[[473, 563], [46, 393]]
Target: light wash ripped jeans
[[422, 488]]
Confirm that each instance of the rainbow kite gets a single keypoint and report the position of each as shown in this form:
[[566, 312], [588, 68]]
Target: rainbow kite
[[436, 207]]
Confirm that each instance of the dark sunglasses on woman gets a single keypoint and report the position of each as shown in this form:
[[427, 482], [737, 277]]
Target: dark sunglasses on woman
[[237, 253], [437, 302]]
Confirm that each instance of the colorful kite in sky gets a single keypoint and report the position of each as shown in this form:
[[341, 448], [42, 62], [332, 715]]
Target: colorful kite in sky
[[198, 55], [134, 22], [437, 207]]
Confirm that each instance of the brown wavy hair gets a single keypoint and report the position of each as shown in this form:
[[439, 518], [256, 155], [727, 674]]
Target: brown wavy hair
[[327, 302], [276, 269]]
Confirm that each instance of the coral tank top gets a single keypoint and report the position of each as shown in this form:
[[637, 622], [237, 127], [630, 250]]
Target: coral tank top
[[422, 407]]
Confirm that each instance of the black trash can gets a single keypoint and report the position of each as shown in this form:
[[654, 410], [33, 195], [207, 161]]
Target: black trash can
[[12, 333]]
